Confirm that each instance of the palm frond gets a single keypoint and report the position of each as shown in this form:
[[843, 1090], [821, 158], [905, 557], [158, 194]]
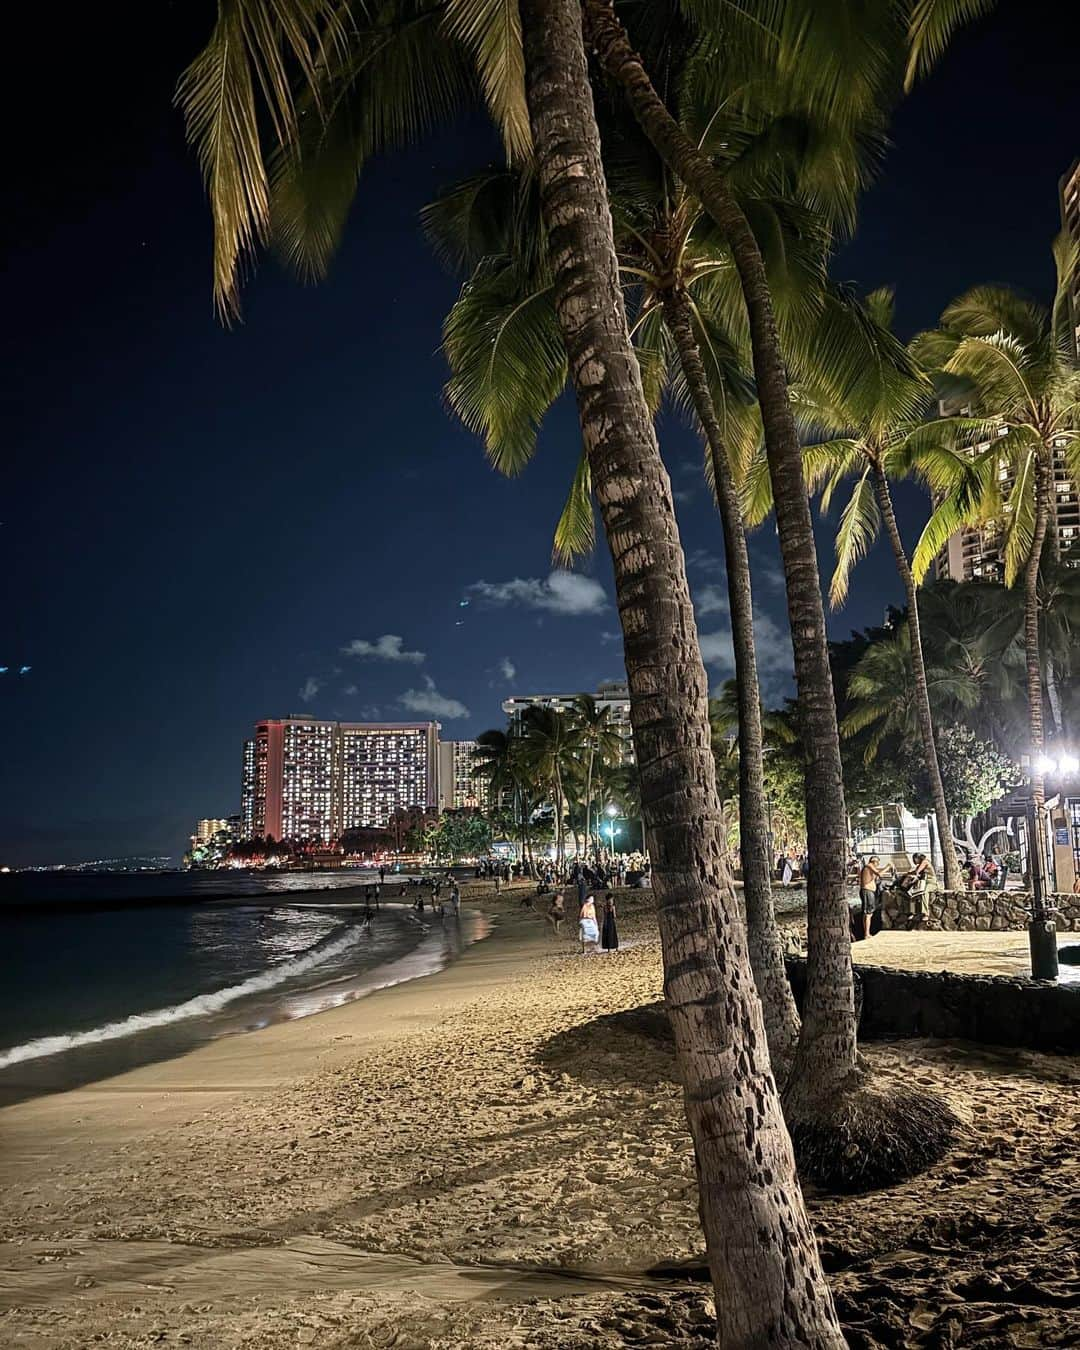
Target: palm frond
[[575, 534], [491, 31], [858, 529], [507, 360], [246, 76], [931, 24]]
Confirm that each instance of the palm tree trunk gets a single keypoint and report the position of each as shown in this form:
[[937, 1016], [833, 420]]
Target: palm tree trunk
[[825, 1062], [1044, 486], [762, 934], [765, 1266], [950, 862]]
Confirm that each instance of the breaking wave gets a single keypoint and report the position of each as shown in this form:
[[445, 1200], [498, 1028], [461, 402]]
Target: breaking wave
[[198, 1006]]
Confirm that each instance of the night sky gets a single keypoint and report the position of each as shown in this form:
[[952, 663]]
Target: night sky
[[197, 523]]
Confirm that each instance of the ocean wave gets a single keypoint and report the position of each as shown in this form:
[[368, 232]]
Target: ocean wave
[[198, 1006]]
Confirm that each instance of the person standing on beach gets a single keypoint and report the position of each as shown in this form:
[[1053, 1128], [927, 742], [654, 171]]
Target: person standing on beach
[[556, 914], [609, 937], [382, 875], [869, 879], [582, 891], [455, 899], [587, 929]]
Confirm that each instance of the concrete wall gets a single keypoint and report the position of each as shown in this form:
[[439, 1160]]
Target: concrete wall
[[985, 911], [990, 1009]]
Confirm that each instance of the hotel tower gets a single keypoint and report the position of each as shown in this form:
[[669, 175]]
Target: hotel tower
[[306, 779]]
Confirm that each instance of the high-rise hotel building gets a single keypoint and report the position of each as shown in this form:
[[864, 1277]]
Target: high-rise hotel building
[[306, 779], [975, 552], [613, 695], [1070, 223], [458, 789]]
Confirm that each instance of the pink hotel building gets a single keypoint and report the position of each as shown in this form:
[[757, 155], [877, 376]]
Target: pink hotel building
[[306, 779]]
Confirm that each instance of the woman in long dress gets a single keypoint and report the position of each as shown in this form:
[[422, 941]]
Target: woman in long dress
[[609, 936], [587, 929]]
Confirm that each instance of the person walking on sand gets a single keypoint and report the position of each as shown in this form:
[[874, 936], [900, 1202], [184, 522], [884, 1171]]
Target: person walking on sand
[[556, 914], [869, 878], [587, 929], [609, 937]]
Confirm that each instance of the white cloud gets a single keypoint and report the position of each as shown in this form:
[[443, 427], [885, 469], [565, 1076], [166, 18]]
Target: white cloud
[[702, 560], [711, 600], [772, 647], [610, 637], [560, 593], [310, 688], [507, 669], [350, 689], [389, 647], [428, 700], [682, 495]]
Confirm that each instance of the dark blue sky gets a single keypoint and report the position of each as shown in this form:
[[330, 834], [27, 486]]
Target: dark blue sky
[[195, 522]]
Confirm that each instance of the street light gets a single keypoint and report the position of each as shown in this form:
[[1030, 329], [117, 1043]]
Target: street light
[[1042, 929], [611, 811]]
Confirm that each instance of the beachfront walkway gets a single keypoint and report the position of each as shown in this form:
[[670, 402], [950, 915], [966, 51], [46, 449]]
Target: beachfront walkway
[[968, 953]]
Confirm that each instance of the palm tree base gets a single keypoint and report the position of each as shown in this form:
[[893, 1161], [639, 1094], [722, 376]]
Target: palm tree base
[[870, 1135]]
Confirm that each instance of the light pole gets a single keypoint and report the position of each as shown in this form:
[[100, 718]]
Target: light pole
[[611, 812], [1042, 928]]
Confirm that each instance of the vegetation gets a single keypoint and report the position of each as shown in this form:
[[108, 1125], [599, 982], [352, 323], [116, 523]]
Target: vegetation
[[285, 104]]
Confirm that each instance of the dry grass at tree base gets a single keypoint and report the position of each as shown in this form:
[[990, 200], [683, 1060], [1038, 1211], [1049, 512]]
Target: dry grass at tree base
[[495, 1135]]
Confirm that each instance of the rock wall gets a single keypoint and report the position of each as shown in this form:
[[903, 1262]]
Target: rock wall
[[990, 1009], [985, 911]]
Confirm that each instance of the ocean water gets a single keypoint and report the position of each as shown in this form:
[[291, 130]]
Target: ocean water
[[101, 974]]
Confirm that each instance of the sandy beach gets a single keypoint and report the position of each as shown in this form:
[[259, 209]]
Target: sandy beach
[[491, 1157]]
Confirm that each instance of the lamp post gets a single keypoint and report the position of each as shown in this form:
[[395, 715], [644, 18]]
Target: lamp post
[[1042, 928], [611, 812]]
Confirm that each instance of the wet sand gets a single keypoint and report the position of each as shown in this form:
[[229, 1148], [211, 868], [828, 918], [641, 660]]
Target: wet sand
[[473, 1160]]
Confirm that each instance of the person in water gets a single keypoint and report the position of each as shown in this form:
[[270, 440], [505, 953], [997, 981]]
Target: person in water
[[587, 929]]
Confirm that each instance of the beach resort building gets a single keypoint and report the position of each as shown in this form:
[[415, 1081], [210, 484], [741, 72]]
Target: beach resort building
[[1070, 223], [309, 779], [974, 553], [458, 789], [613, 695], [206, 829]]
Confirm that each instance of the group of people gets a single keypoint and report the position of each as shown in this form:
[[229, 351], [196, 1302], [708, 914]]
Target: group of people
[[792, 866], [450, 903], [594, 934], [984, 873], [917, 882]]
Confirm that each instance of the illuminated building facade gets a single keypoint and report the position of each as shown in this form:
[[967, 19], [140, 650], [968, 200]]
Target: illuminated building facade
[[458, 789], [206, 829], [613, 695], [308, 779], [1070, 223]]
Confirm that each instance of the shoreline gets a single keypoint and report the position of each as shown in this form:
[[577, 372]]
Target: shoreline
[[158, 1035], [495, 1156]]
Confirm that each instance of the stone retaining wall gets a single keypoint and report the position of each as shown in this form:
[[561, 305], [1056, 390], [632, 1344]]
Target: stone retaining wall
[[991, 1009], [985, 911]]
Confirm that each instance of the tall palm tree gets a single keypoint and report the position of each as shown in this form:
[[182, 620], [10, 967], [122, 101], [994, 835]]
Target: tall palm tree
[[499, 762], [601, 743], [821, 1093], [507, 369], [864, 389], [1014, 362], [550, 744], [773, 1289]]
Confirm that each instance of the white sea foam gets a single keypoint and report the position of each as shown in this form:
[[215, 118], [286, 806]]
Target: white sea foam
[[194, 1007]]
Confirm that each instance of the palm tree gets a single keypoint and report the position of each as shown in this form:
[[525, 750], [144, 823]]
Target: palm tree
[[507, 369], [819, 1096], [601, 743], [549, 746], [497, 759], [775, 1288], [1014, 362], [863, 388]]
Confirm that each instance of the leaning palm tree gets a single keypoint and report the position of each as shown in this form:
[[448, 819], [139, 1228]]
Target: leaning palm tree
[[858, 383], [507, 369], [823, 1092], [1013, 362]]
